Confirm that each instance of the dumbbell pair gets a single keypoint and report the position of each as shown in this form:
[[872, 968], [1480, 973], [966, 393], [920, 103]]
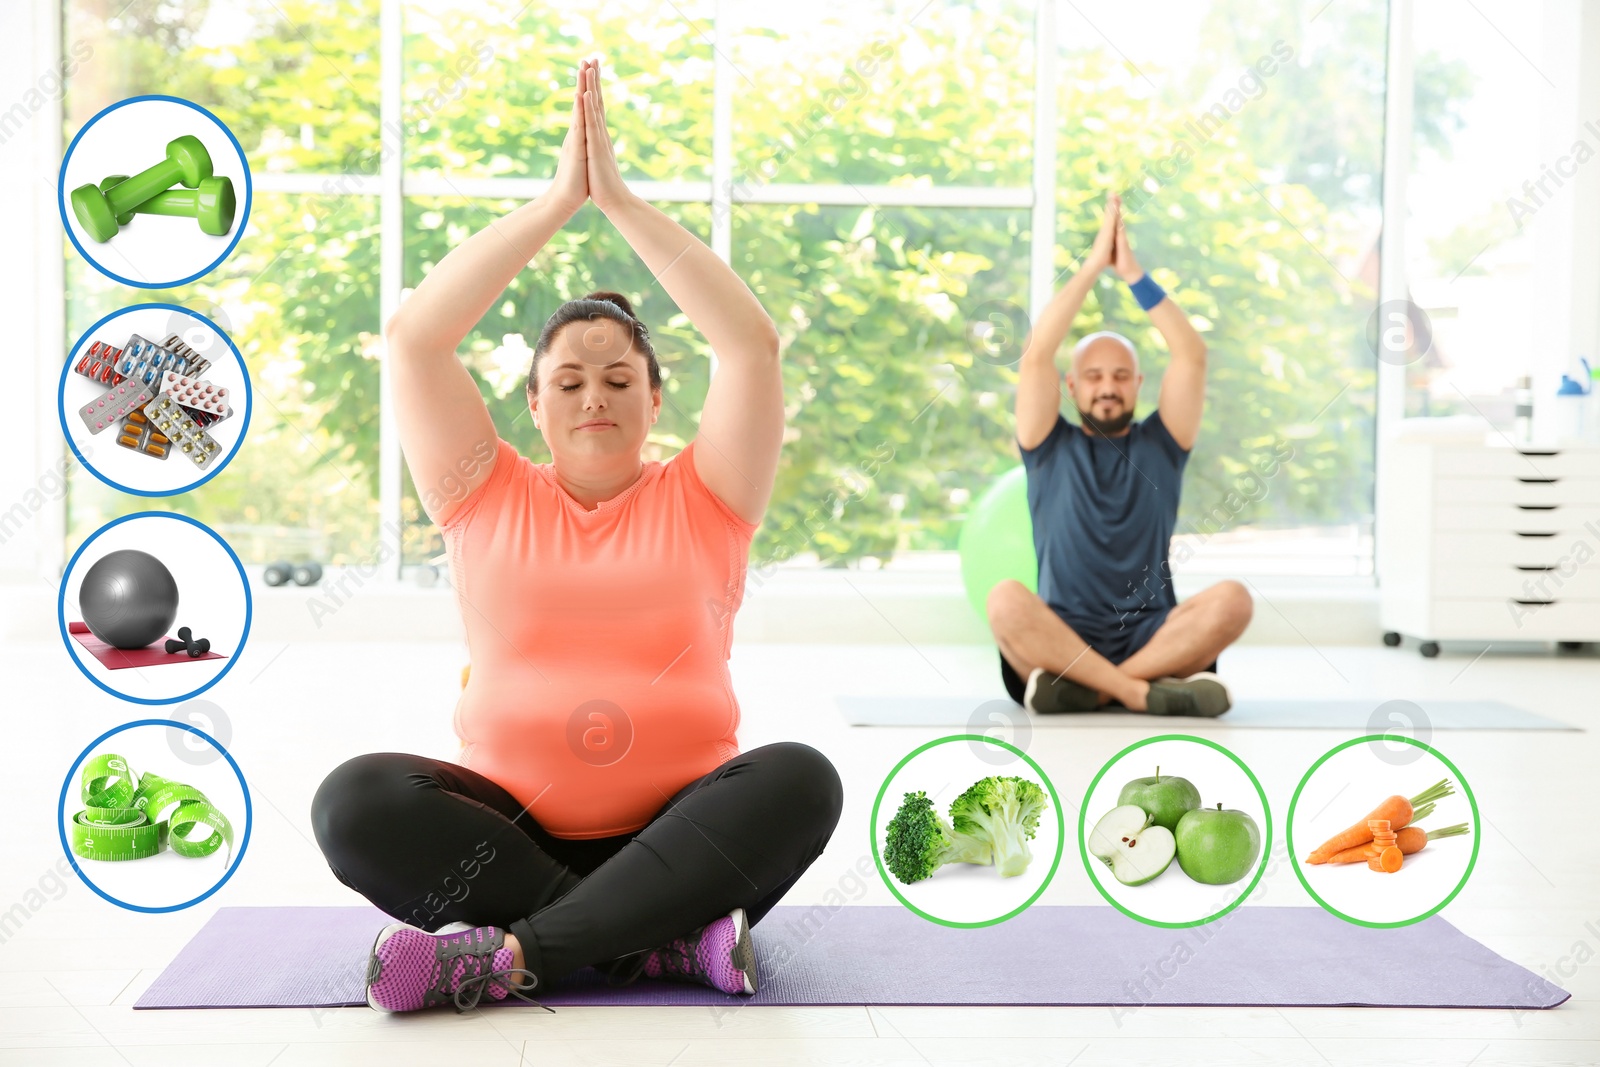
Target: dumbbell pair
[[195, 648], [281, 572], [102, 209]]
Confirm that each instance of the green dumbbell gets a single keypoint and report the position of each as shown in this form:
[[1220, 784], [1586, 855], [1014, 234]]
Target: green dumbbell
[[187, 162], [213, 204]]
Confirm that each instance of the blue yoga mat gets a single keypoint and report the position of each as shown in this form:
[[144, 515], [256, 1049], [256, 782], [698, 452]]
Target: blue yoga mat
[[1354, 715], [316, 957]]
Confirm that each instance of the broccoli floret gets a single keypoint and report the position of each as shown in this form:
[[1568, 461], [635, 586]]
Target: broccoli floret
[[1003, 811], [921, 841]]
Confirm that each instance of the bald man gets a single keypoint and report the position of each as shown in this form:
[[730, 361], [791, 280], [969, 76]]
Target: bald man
[[1106, 627]]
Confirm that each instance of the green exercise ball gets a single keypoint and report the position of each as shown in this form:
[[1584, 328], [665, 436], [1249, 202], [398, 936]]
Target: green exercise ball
[[997, 540]]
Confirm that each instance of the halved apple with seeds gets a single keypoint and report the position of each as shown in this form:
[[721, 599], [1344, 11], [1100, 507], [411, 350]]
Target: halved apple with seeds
[[1126, 840]]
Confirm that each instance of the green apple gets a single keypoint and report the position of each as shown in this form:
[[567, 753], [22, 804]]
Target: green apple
[[1217, 847], [1126, 841], [1166, 799]]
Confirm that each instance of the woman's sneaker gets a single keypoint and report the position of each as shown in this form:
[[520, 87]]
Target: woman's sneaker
[[1050, 694], [1201, 694], [720, 955], [410, 968]]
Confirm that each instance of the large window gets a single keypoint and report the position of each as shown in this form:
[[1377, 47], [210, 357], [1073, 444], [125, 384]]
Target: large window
[[1472, 203], [876, 174]]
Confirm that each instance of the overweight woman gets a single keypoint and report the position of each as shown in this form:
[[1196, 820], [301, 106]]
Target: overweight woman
[[601, 812]]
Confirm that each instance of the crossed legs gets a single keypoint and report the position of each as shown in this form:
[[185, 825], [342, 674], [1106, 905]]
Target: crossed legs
[[431, 842], [1031, 635]]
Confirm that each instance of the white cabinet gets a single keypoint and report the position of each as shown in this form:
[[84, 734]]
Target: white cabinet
[[1489, 543]]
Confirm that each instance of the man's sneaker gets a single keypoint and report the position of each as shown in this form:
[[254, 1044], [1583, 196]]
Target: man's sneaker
[[720, 955], [410, 968], [1201, 694], [1049, 694]]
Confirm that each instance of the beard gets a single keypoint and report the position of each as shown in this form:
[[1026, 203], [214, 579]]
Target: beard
[[1106, 427]]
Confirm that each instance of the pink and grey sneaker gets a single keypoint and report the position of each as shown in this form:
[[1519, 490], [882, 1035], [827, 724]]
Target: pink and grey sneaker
[[719, 954], [410, 968]]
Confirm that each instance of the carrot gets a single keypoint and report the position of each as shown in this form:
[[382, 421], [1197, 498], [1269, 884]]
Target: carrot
[[1412, 838], [1409, 840], [1397, 809]]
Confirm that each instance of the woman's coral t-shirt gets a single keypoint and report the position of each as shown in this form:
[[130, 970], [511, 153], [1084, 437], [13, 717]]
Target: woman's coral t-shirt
[[599, 640]]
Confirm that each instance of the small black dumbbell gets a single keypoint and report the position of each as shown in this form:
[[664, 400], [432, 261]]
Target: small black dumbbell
[[195, 648], [278, 572], [309, 573]]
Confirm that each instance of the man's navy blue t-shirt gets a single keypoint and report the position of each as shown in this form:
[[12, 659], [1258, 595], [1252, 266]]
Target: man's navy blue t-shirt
[[1103, 511]]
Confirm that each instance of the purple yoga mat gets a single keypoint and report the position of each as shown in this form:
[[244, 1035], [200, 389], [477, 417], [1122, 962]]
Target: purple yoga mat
[[316, 957]]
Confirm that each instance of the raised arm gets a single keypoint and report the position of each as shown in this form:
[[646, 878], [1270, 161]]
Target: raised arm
[[741, 425], [1038, 380], [1183, 387], [446, 433]]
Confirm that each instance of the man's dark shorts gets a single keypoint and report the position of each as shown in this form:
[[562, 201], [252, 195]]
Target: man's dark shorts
[[1115, 638]]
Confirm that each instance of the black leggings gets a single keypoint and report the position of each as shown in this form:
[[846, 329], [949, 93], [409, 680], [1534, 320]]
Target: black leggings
[[432, 843]]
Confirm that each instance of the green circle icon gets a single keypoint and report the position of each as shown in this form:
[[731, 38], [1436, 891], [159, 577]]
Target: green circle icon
[[1466, 790], [888, 879], [1083, 847]]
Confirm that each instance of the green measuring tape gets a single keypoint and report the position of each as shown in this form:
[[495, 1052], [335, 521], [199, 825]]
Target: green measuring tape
[[121, 821]]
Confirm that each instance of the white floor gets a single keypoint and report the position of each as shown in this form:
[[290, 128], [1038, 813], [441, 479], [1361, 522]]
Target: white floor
[[70, 973]]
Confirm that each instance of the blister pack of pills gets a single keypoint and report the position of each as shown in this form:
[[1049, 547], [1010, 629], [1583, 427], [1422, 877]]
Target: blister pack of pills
[[198, 397], [98, 364], [107, 411], [146, 361], [185, 434], [194, 364], [141, 435]]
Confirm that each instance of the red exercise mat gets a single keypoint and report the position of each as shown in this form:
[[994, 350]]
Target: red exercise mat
[[117, 658]]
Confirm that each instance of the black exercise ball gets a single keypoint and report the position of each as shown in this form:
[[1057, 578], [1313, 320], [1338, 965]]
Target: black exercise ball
[[128, 598]]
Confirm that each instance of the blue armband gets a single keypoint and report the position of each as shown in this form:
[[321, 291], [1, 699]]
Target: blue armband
[[1147, 292]]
